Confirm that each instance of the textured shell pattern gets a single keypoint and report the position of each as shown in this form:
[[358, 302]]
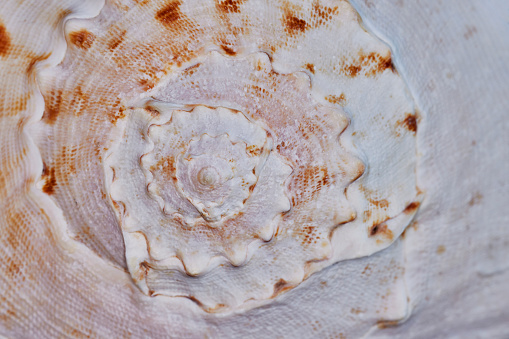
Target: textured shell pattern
[[223, 151]]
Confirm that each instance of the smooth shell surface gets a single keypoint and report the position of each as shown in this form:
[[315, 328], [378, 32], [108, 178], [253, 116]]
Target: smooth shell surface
[[189, 169]]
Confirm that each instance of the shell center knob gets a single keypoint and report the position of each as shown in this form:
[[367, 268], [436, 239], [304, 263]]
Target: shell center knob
[[208, 176]]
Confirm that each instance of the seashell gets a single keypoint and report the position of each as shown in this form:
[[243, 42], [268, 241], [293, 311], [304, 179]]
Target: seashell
[[233, 168]]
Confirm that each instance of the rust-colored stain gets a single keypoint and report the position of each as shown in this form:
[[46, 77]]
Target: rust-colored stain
[[440, 249], [170, 13], [310, 67], [5, 41], [410, 122], [229, 6], [381, 229], [293, 25], [387, 323], [371, 64], [412, 207], [476, 199], [116, 41], [228, 50], [82, 39], [50, 180], [335, 99], [52, 107], [280, 287], [471, 30]]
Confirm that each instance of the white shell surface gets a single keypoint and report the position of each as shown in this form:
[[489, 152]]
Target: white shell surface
[[62, 237]]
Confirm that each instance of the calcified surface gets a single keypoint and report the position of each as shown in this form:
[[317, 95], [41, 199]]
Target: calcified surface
[[189, 169]]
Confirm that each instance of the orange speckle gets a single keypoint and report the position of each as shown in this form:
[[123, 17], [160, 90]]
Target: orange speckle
[[334, 99]]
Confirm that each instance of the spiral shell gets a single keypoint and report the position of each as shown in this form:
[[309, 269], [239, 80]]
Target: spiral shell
[[202, 163], [219, 157]]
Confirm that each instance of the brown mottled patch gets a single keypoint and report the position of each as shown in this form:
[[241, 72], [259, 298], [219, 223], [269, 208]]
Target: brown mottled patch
[[312, 178], [53, 106], [146, 84], [412, 207], [170, 13], [50, 181], [366, 215], [13, 269], [334, 99], [228, 50], [476, 199], [114, 42], [253, 150], [293, 25], [82, 39], [5, 41], [117, 114], [410, 122], [381, 229], [440, 249], [229, 6], [280, 287], [382, 203], [372, 64], [310, 67], [356, 311]]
